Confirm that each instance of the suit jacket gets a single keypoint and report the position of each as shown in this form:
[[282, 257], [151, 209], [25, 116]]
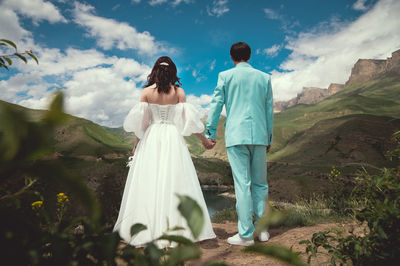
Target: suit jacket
[[247, 95]]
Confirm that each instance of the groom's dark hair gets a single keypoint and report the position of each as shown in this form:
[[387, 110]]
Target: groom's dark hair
[[240, 51]]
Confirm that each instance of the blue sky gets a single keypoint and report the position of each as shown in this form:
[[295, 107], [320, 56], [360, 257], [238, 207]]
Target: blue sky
[[100, 52]]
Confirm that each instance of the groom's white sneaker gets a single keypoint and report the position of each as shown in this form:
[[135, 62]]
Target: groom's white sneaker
[[238, 241], [263, 236]]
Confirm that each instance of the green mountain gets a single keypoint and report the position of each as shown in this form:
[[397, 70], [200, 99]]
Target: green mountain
[[361, 104], [80, 137]]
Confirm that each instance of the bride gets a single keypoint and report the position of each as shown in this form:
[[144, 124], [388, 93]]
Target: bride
[[161, 165]]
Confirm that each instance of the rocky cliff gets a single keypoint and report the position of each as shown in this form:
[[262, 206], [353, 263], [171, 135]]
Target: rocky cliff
[[363, 70], [367, 69], [309, 95]]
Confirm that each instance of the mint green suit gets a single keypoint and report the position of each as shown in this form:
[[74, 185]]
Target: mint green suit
[[247, 95]]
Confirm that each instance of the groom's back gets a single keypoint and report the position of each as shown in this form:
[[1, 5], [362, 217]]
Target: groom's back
[[245, 91]]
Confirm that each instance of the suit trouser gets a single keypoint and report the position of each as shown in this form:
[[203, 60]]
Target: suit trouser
[[249, 169]]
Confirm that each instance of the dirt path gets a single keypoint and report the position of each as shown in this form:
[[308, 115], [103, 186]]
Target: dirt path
[[219, 250]]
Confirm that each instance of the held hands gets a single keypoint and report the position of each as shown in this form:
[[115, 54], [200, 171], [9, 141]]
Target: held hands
[[268, 148], [208, 143]]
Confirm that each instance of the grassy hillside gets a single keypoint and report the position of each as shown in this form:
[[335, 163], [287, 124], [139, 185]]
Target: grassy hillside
[[352, 138], [350, 128], [80, 137], [380, 97]]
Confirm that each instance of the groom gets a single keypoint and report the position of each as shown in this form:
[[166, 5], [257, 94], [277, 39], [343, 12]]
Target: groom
[[247, 95]]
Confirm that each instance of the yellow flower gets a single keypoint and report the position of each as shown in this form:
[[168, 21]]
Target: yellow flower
[[61, 197], [37, 204]]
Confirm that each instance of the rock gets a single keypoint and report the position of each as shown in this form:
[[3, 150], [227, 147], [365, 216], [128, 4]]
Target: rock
[[334, 88], [363, 70], [309, 95], [367, 69]]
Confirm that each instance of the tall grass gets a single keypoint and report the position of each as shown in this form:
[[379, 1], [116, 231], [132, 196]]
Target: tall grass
[[305, 212]]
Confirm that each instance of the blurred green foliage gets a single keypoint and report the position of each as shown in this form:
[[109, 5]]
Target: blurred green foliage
[[378, 218], [34, 234]]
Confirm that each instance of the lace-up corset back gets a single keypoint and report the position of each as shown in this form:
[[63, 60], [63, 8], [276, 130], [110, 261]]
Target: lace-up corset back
[[163, 114], [184, 116]]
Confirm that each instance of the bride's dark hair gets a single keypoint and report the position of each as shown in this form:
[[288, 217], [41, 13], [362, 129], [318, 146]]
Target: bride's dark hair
[[164, 74]]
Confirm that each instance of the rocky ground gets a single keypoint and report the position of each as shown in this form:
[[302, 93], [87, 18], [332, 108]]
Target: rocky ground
[[218, 250]]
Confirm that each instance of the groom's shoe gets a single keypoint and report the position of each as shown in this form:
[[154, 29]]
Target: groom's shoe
[[263, 236], [238, 241]]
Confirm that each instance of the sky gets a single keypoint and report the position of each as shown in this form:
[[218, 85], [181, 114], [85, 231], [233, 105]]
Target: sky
[[99, 53]]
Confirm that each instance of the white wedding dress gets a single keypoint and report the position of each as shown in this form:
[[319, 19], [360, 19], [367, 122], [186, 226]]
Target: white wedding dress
[[160, 169]]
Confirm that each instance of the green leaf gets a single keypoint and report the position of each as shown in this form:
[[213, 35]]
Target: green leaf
[[270, 218], [178, 239], [278, 252], [183, 253], [9, 42], [137, 228], [8, 60], [176, 228], [33, 57], [193, 214], [153, 253], [55, 115], [21, 57]]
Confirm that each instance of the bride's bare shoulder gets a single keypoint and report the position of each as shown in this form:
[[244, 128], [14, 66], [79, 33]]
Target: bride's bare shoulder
[[181, 94], [145, 92]]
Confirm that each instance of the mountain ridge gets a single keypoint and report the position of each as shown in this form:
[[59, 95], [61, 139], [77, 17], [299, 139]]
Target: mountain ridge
[[363, 70]]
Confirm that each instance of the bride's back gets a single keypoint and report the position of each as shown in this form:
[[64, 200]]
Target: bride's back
[[151, 95], [161, 84]]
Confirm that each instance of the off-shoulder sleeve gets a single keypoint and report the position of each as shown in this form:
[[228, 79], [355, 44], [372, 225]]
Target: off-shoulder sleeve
[[138, 119], [187, 119]]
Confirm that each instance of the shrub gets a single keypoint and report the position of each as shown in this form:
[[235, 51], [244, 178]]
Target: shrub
[[379, 218]]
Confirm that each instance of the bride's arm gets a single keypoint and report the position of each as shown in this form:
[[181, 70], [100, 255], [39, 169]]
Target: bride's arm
[[207, 143], [134, 148]]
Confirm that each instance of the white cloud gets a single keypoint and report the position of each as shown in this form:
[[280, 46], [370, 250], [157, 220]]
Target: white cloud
[[115, 7], [174, 2], [201, 103], [271, 14], [105, 94], [110, 33], [360, 5], [36, 9], [97, 87], [13, 30], [157, 2], [98, 92], [177, 2], [212, 65], [218, 8], [326, 54], [272, 51]]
